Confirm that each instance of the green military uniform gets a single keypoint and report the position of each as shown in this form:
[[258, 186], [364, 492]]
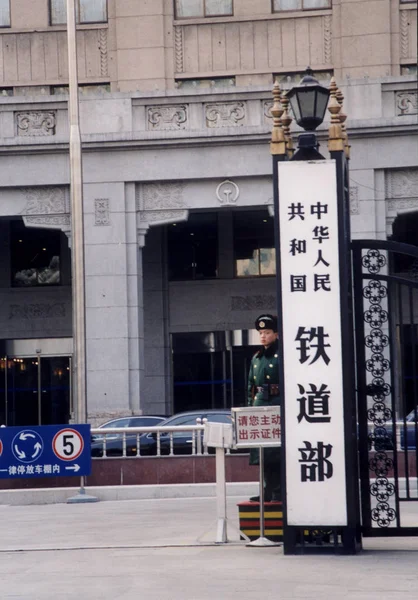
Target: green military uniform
[[263, 390]]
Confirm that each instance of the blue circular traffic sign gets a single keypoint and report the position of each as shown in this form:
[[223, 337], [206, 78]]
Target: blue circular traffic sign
[[27, 446]]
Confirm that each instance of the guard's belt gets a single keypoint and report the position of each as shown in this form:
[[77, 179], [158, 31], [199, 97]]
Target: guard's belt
[[272, 389]]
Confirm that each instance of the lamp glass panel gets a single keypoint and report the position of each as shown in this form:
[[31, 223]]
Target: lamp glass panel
[[321, 104], [295, 107], [307, 103]]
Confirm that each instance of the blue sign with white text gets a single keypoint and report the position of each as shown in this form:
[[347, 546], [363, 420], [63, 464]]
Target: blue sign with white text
[[49, 450]]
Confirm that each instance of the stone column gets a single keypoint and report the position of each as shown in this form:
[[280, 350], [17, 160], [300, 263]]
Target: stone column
[[108, 256]]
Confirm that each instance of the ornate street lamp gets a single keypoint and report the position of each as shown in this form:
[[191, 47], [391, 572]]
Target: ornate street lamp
[[309, 101]]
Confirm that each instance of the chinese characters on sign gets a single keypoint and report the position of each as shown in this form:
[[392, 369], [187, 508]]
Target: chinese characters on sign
[[257, 426], [312, 364]]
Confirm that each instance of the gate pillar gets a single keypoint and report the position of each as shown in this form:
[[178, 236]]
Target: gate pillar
[[319, 443]]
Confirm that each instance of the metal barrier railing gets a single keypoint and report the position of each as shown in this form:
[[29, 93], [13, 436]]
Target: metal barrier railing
[[135, 435]]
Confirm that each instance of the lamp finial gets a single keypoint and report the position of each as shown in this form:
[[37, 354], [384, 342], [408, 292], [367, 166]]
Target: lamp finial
[[335, 133], [278, 142]]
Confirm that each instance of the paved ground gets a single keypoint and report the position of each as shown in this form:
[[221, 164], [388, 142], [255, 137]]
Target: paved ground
[[148, 550]]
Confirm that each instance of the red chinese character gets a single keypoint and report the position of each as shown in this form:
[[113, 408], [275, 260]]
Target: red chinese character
[[243, 434], [242, 421], [275, 419], [265, 420], [266, 434], [253, 420], [254, 434], [276, 432]]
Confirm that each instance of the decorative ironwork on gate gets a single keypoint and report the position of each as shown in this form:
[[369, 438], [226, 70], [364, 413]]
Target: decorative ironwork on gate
[[386, 300]]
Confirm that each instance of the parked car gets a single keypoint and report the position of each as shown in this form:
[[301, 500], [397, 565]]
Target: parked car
[[411, 431], [114, 441], [182, 441]]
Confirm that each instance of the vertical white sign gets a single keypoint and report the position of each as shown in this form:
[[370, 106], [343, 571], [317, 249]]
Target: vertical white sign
[[312, 362]]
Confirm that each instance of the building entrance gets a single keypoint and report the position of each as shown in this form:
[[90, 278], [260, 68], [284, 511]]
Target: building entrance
[[210, 369], [35, 390]]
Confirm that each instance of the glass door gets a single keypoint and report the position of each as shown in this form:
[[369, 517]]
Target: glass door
[[35, 391]]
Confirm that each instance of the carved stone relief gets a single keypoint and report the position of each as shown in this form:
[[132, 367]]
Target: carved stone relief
[[178, 49], [402, 183], [44, 201], [160, 195], [167, 117], [37, 311], [407, 103], [354, 201], [227, 193], [104, 69], [261, 302], [35, 123], [328, 39], [404, 33], [268, 117], [101, 211], [225, 114]]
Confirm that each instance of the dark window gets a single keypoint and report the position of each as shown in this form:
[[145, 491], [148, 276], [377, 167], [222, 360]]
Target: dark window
[[254, 244], [35, 256], [88, 11], [193, 248], [203, 8]]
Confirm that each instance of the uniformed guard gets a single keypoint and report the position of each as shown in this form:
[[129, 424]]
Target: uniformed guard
[[263, 390]]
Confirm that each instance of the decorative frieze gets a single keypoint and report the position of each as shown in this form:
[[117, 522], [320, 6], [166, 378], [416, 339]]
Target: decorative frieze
[[407, 103], [167, 117], [354, 201], [402, 183], [101, 211], [227, 193], [159, 217], [259, 302], [159, 196], [225, 114], [394, 206], [48, 221], [37, 311], [35, 123]]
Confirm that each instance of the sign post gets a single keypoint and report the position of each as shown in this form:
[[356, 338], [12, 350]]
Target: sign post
[[258, 427]]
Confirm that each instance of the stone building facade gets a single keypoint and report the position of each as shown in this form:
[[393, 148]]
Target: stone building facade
[[175, 120]]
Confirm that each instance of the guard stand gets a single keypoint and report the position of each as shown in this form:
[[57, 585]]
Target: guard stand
[[258, 427]]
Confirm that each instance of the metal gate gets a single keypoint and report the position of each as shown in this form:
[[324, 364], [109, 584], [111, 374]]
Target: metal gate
[[386, 333]]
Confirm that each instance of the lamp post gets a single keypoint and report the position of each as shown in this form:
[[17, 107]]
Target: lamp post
[[77, 238], [311, 198]]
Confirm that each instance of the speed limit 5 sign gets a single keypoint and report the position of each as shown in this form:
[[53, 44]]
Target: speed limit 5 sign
[[68, 444]]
